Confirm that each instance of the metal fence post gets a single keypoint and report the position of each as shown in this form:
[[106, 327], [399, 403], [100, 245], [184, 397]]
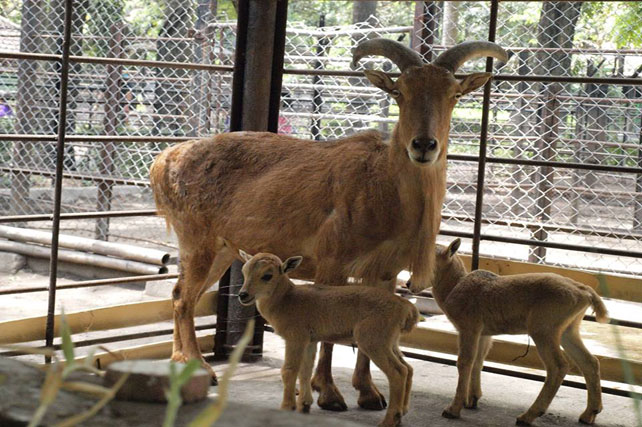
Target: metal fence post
[[60, 152], [483, 139]]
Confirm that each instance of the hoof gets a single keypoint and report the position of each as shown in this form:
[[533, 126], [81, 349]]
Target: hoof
[[447, 414], [333, 406], [472, 404], [589, 418], [373, 402], [305, 409], [522, 423], [214, 381]]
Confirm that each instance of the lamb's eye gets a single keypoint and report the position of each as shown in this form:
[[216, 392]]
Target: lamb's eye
[[457, 95], [395, 93], [266, 277]]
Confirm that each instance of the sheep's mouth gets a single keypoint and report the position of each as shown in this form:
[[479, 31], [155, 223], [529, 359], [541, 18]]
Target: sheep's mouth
[[247, 301]]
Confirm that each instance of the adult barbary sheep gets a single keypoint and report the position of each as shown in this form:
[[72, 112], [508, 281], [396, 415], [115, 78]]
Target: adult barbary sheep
[[369, 317], [356, 207], [547, 306]]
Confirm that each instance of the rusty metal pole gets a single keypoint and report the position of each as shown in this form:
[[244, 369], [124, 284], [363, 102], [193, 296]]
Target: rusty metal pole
[[60, 152]]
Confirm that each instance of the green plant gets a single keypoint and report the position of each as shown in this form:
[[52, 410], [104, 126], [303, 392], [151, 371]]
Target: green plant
[[177, 379]]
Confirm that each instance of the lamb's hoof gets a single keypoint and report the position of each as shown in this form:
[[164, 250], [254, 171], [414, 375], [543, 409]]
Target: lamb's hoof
[[447, 414], [372, 401], [589, 418], [521, 422], [472, 404], [305, 409], [214, 380]]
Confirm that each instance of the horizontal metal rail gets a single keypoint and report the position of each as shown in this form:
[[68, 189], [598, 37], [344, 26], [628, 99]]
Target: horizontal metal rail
[[79, 215], [92, 283], [73, 175], [520, 374], [94, 138]]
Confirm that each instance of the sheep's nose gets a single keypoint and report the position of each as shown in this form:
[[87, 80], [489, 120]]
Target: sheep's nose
[[243, 296], [424, 144]]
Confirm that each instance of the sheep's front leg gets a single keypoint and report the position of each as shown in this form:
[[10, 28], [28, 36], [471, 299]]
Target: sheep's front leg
[[468, 343], [475, 391], [305, 374], [294, 353]]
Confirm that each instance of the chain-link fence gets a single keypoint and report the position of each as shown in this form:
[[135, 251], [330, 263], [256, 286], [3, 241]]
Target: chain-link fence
[[146, 76]]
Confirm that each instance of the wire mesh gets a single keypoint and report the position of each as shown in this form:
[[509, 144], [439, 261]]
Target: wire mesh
[[564, 122]]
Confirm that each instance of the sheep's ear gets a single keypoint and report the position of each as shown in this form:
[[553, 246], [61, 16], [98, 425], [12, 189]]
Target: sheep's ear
[[244, 255], [380, 79], [290, 264], [454, 245], [473, 81]]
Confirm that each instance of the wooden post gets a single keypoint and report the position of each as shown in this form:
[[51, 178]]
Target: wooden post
[[114, 101], [424, 28]]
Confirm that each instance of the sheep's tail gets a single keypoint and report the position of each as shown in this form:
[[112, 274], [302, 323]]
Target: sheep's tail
[[601, 313], [411, 319]]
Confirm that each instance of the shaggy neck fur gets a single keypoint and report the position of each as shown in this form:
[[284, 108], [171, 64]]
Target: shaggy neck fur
[[447, 278], [428, 185]]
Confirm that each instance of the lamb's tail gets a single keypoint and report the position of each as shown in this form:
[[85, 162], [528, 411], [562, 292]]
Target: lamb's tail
[[411, 319], [601, 313]]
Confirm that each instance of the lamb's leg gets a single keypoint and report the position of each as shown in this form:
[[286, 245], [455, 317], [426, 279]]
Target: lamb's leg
[[294, 355], [468, 342], [590, 367], [199, 270], [396, 372], [305, 374], [329, 396], [369, 396], [548, 347], [408, 390], [475, 391]]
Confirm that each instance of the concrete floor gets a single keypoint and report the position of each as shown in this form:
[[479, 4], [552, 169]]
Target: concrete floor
[[434, 384]]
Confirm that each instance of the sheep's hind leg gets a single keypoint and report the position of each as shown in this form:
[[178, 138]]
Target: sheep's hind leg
[[548, 347], [329, 396], [369, 396], [468, 342], [590, 367], [199, 270], [305, 373]]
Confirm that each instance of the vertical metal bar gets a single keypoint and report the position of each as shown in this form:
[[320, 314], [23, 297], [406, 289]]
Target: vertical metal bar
[[60, 151], [483, 138], [278, 56], [236, 118]]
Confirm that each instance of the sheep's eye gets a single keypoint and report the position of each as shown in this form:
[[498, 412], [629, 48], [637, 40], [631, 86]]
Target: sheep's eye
[[266, 277], [457, 95], [395, 93]]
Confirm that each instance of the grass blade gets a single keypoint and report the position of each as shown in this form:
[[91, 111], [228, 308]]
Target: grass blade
[[176, 380], [212, 413], [50, 388]]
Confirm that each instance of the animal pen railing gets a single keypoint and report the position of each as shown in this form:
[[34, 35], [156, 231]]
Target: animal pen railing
[[544, 165]]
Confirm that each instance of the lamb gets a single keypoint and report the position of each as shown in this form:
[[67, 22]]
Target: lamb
[[370, 317], [547, 306]]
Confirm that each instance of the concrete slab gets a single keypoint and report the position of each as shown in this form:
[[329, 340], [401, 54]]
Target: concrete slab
[[434, 384]]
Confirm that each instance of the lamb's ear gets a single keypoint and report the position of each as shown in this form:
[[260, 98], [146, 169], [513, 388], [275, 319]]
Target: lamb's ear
[[454, 245], [473, 81], [244, 255], [290, 264], [380, 79]]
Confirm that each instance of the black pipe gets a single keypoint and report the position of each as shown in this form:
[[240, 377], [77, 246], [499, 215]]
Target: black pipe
[[483, 141], [278, 56], [60, 147]]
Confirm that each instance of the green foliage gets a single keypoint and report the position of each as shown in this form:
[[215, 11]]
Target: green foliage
[[177, 379]]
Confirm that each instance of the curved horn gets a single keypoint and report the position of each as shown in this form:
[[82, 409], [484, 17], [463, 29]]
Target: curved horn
[[401, 55], [454, 57]]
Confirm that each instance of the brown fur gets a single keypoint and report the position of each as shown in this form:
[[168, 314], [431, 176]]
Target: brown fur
[[547, 306], [357, 207], [303, 315]]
